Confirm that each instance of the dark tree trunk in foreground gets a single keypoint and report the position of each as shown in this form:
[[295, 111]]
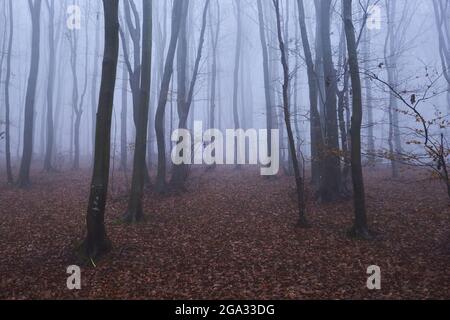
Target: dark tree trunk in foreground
[[7, 98], [24, 173], [96, 242], [161, 183], [135, 212], [287, 119], [360, 229]]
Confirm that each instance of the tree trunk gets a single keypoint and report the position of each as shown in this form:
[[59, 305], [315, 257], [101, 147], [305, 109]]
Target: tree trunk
[[177, 12], [267, 85], [51, 80], [9, 173], [135, 211], [184, 105], [332, 165], [237, 60], [360, 225], [369, 98], [287, 119], [96, 242], [317, 143], [123, 122], [24, 174]]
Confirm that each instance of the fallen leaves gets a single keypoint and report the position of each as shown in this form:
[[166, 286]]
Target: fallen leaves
[[231, 236]]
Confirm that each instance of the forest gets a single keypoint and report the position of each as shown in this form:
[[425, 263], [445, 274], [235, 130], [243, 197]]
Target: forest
[[225, 149]]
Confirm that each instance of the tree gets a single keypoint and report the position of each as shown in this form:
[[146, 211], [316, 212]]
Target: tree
[[134, 71], [177, 13], [96, 242], [180, 171], [442, 12], [135, 211], [317, 143], [267, 93], [287, 119], [7, 97], [331, 170], [214, 34], [360, 229], [237, 60], [24, 173], [50, 87]]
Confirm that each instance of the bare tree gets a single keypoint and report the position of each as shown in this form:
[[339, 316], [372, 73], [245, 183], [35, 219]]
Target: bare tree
[[360, 229], [180, 171], [9, 173], [442, 12], [317, 143], [267, 92], [287, 119], [177, 12], [237, 60], [50, 87], [24, 173], [96, 242], [331, 166], [135, 211]]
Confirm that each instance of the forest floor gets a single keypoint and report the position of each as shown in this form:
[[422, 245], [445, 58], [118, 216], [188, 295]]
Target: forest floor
[[233, 235]]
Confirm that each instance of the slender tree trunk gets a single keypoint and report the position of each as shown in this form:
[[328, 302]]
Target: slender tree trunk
[[94, 93], [123, 123], [177, 12], [7, 97], [332, 165], [287, 119], [267, 85], [317, 143], [24, 174], [237, 60], [180, 171], [135, 211], [369, 98], [360, 225], [97, 243], [51, 81]]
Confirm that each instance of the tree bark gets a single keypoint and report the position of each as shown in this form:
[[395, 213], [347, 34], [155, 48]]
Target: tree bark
[[97, 243], [9, 173], [287, 119], [317, 143], [24, 173], [177, 11], [51, 81], [332, 164], [135, 211], [267, 93], [184, 105], [360, 224]]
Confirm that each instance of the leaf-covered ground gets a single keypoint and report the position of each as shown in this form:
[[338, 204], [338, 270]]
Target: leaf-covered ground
[[231, 236]]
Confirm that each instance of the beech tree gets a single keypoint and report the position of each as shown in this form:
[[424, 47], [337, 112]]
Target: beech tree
[[177, 14], [135, 211], [299, 181], [25, 165], [97, 242], [360, 226]]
